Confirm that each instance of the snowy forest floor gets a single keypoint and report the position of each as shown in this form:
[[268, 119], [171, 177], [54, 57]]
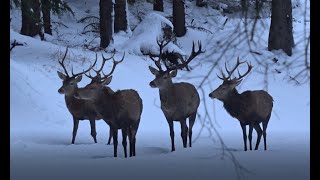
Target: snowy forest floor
[[41, 125]]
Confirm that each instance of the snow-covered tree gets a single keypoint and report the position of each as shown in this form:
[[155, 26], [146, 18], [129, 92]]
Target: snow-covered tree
[[280, 34], [30, 17], [58, 7], [105, 22], [179, 18], [120, 16], [158, 5]]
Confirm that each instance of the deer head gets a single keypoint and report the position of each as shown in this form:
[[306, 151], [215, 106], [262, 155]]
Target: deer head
[[69, 83], [228, 84], [163, 78], [94, 88]]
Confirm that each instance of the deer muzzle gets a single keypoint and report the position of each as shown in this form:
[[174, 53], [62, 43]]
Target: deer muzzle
[[61, 91], [211, 95], [152, 84]]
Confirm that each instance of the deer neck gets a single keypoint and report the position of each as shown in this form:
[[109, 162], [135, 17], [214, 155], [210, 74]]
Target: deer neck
[[167, 96], [233, 103], [70, 96], [233, 96], [105, 104]]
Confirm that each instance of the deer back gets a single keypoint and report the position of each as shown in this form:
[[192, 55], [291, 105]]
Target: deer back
[[249, 105], [128, 103], [117, 107], [263, 103]]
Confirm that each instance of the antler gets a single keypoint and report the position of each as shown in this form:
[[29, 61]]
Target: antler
[[62, 62], [103, 62], [161, 44], [115, 63], [249, 69], [85, 71], [100, 69], [224, 77], [185, 62]]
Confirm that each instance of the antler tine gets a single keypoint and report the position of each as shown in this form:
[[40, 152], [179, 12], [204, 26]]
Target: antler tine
[[103, 62], [220, 77], [115, 63], [157, 62], [234, 68], [85, 71], [162, 43], [223, 76], [193, 54], [62, 62], [249, 69], [89, 76], [225, 66]]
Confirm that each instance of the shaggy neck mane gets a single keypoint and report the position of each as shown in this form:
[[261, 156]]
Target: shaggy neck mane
[[70, 99], [167, 94], [72, 93], [234, 103]]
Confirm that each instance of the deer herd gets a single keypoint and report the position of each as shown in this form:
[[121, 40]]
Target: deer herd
[[122, 109]]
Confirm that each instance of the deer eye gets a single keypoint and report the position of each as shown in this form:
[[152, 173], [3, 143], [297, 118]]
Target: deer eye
[[71, 83]]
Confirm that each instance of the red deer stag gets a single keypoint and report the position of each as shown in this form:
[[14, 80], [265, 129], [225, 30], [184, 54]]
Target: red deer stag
[[79, 109], [179, 101], [250, 107], [121, 109]]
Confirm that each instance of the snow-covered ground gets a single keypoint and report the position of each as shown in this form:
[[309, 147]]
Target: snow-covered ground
[[41, 125]]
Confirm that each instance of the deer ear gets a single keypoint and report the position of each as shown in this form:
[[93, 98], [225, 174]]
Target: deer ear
[[173, 73], [153, 70], [238, 82], [61, 75], [235, 82], [107, 81], [79, 78]]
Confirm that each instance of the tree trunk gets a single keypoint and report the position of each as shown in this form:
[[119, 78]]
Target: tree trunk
[[120, 16], [158, 5], [105, 23], [30, 17], [46, 9], [280, 34], [244, 5], [131, 1], [179, 18]]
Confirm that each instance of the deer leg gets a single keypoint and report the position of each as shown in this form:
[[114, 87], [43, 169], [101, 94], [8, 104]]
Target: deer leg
[[124, 140], [192, 118], [250, 135], [184, 131], [244, 132], [110, 135], [75, 129], [171, 134], [93, 130], [134, 133], [115, 141], [264, 131], [133, 139], [130, 140], [259, 132], [134, 145]]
